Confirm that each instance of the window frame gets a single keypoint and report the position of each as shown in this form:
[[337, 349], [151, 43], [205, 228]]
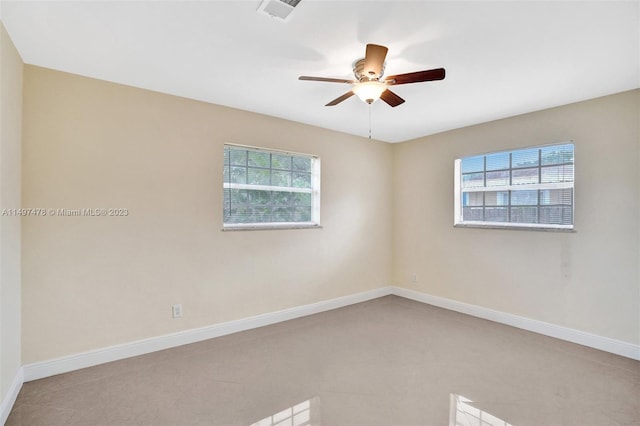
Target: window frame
[[458, 191], [314, 191]]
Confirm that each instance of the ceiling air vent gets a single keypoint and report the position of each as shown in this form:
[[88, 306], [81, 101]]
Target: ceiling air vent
[[279, 9]]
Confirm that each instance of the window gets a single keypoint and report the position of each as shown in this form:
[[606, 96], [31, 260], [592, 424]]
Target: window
[[525, 188], [270, 189]]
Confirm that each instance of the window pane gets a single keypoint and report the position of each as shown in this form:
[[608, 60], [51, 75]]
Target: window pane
[[472, 199], [499, 198], [567, 216], [523, 176], [282, 198], [226, 204], [239, 214], [280, 178], [238, 157], [496, 214], [472, 164], [259, 214], [556, 196], [239, 196], [302, 164], [225, 174], [302, 214], [301, 180], [282, 214], [498, 178], [302, 199], [524, 214], [238, 175], [473, 180], [281, 161], [498, 161], [259, 159], [472, 213], [553, 174], [524, 158], [558, 215], [557, 154], [524, 198], [258, 176], [258, 197]]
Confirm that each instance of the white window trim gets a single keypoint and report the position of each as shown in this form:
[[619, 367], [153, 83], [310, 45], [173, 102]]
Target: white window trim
[[314, 191], [270, 225], [458, 191]]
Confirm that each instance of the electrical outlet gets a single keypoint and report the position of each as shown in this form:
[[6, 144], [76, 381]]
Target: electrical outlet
[[176, 310], [414, 278]]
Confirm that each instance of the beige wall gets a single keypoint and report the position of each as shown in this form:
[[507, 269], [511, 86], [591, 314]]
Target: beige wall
[[10, 130], [587, 280], [93, 282]]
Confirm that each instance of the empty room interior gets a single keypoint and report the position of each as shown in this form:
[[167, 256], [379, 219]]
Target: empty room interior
[[305, 212]]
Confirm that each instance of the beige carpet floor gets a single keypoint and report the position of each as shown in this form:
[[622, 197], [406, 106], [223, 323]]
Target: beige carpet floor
[[389, 361]]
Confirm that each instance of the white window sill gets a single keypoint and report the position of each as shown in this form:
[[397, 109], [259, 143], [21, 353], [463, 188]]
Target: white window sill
[[515, 227], [269, 226]]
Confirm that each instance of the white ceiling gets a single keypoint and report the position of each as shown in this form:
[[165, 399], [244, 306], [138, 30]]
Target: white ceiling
[[502, 58]]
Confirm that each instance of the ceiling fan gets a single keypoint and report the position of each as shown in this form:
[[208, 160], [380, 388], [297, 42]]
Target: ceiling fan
[[369, 84]]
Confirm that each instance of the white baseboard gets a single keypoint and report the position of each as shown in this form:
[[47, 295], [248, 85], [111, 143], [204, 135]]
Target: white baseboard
[[10, 398], [64, 364], [617, 347]]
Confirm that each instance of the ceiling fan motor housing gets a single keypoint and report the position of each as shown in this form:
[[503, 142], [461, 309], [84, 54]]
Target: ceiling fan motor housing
[[360, 73]]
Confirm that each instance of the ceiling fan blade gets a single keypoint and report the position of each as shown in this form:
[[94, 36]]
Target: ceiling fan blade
[[416, 77], [374, 60], [336, 101], [391, 98], [330, 80]]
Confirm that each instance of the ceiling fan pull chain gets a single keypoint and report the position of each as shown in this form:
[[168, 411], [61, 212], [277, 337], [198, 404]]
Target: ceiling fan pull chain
[[369, 121]]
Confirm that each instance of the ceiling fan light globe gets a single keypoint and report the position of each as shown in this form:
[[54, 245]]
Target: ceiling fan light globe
[[369, 91]]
